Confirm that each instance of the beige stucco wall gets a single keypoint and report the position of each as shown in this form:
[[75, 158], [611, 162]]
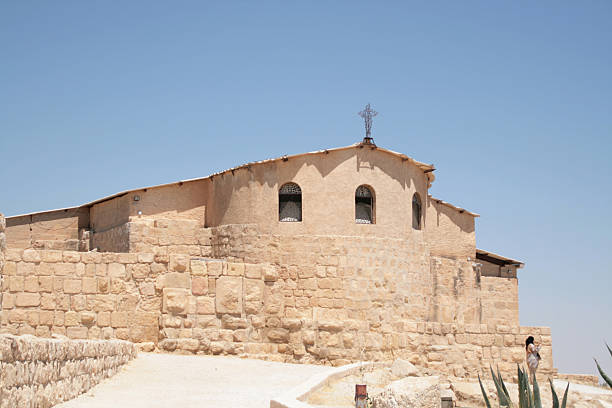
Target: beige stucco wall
[[182, 201], [61, 225], [448, 231], [328, 183]]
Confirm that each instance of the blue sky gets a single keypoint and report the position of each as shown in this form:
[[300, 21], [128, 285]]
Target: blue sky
[[511, 101]]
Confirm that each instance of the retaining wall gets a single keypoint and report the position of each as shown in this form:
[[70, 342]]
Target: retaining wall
[[44, 372], [323, 314]]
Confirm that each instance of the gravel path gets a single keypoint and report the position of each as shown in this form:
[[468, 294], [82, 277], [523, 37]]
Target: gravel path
[[169, 380]]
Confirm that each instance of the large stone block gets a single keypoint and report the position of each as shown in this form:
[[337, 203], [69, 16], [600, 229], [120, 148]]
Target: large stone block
[[27, 299], [175, 300], [229, 295], [176, 280]]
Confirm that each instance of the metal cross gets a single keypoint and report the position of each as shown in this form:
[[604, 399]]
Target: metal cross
[[367, 114]]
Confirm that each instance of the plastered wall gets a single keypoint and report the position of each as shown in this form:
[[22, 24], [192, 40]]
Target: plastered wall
[[51, 230], [448, 231], [328, 183]]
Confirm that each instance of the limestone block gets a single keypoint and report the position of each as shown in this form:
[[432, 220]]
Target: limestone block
[[199, 285], [71, 256], [214, 268], [88, 318], [235, 269], [116, 270], [103, 319], [31, 255], [229, 295], [252, 271], [27, 299], [89, 285], [198, 267], [45, 283], [270, 273], [76, 332], [176, 280], [139, 271], [51, 256], [16, 283], [175, 300], [179, 262], [411, 392], [233, 323], [403, 368], [119, 319], [278, 335], [72, 318], [145, 258], [72, 286]]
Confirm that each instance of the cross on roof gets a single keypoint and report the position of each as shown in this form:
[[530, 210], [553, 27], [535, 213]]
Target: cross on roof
[[367, 114]]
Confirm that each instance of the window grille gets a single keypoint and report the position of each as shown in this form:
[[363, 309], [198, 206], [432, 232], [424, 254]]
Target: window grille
[[290, 203], [364, 205]]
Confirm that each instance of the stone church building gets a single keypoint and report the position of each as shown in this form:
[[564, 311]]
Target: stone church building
[[331, 256]]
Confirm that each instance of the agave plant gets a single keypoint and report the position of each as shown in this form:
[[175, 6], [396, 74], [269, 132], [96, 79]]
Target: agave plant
[[527, 397], [603, 375]]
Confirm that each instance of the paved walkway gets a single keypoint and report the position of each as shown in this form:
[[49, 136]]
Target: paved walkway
[[169, 380]]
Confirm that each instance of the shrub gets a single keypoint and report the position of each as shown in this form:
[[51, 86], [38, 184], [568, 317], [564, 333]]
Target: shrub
[[527, 397]]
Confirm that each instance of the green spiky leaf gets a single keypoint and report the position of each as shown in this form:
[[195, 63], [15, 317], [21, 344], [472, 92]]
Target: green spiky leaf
[[603, 375], [504, 398], [554, 394], [609, 350], [537, 402], [484, 394], [565, 396], [503, 385], [521, 388]]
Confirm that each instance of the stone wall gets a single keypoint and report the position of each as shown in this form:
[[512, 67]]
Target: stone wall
[[169, 236], [318, 299], [44, 372], [83, 295], [266, 311]]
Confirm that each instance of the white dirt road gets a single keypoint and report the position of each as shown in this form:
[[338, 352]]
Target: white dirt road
[[170, 380]]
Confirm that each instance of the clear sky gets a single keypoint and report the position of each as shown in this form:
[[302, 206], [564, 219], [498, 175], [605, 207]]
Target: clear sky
[[512, 102]]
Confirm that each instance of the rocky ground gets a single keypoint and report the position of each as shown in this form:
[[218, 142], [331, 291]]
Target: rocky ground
[[405, 386]]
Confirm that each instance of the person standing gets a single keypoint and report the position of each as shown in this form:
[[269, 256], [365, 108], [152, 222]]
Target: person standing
[[532, 356]]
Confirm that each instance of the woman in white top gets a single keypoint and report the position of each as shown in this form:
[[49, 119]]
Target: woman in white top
[[532, 357]]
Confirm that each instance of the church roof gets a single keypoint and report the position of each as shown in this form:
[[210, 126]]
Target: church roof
[[497, 259], [428, 169]]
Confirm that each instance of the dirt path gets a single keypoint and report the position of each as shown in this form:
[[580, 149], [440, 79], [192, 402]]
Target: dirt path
[[168, 380]]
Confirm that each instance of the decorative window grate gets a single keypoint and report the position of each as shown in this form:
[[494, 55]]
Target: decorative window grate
[[290, 203], [364, 205]]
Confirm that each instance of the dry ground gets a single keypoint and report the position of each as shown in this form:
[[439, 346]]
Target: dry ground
[[169, 380]]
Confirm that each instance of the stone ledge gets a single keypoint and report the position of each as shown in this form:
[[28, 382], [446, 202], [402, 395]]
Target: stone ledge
[[44, 372]]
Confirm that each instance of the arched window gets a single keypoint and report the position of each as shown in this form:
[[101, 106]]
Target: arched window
[[290, 203], [417, 211], [364, 205]]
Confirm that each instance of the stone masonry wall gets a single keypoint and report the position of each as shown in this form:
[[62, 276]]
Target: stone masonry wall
[[347, 306], [83, 295], [169, 236], [41, 373]]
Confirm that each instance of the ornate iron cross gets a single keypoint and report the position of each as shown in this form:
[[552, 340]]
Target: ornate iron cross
[[367, 114]]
